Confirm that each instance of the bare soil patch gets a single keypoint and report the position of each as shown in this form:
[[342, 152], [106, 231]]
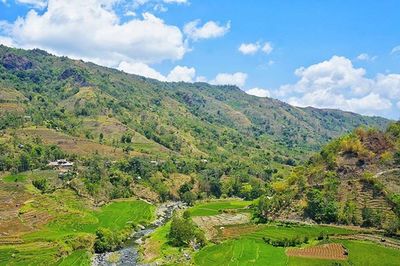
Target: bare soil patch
[[210, 224], [333, 251]]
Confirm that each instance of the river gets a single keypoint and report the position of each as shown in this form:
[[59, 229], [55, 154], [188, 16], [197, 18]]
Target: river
[[128, 254]]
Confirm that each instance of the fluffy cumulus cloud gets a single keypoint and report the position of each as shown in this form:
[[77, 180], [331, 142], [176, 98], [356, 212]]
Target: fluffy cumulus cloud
[[141, 69], [249, 48], [336, 83], [178, 73], [259, 92], [253, 48], [182, 73], [91, 30], [34, 3], [267, 48], [210, 29], [238, 79]]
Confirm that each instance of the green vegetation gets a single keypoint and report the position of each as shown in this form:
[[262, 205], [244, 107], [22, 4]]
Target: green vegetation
[[131, 136], [15, 178], [76, 229], [338, 185], [77, 258], [216, 207], [183, 232], [115, 216], [241, 252]]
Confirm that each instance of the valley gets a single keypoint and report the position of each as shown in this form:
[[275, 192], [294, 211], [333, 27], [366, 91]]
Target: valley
[[101, 167]]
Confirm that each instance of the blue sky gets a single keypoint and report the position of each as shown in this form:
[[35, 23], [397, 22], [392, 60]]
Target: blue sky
[[327, 54]]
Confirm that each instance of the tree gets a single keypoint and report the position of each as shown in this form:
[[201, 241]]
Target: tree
[[371, 217], [106, 240], [320, 207], [24, 163], [184, 232], [189, 197]]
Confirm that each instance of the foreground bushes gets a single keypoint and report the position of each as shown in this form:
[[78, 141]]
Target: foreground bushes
[[286, 242], [107, 240], [184, 232]]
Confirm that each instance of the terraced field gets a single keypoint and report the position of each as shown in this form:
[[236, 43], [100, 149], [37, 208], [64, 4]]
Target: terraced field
[[70, 232], [216, 207], [241, 252]]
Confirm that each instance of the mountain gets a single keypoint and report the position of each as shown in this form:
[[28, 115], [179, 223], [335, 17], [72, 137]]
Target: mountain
[[353, 180], [196, 119]]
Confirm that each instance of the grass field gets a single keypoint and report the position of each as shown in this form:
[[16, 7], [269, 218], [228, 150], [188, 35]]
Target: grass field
[[156, 247], [39, 253], [77, 258], [15, 178], [249, 251], [115, 216], [276, 231], [241, 252], [360, 253], [217, 206], [244, 246]]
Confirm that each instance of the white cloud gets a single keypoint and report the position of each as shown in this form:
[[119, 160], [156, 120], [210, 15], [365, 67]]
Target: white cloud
[[253, 48], [398, 105], [91, 30], [209, 30], [388, 85], [259, 92], [238, 79], [396, 49], [141, 69], [267, 48], [176, 1], [336, 83], [182, 73], [130, 14], [178, 73], [33, 3], [366, 57], [6, 41], [249, 48]]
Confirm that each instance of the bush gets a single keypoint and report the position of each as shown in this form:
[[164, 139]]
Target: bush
[[106, 240], [286, 242], [40, 184], [184, 232]]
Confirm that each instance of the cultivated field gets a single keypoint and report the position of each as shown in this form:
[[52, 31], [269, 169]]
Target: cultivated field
[[47, 228], [219, 206], [332, 251]]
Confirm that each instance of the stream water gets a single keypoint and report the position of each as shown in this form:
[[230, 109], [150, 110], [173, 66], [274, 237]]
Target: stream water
[[128, 254]]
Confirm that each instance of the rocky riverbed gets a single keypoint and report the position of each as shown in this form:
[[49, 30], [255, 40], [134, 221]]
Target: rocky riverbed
[[128, 255]]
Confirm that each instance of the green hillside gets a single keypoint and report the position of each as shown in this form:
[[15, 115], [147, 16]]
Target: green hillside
[[134, 142], [354, 180]]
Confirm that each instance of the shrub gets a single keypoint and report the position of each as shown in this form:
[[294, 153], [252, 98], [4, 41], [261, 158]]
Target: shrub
[[106, 240], [40, 184], [184, 232]]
